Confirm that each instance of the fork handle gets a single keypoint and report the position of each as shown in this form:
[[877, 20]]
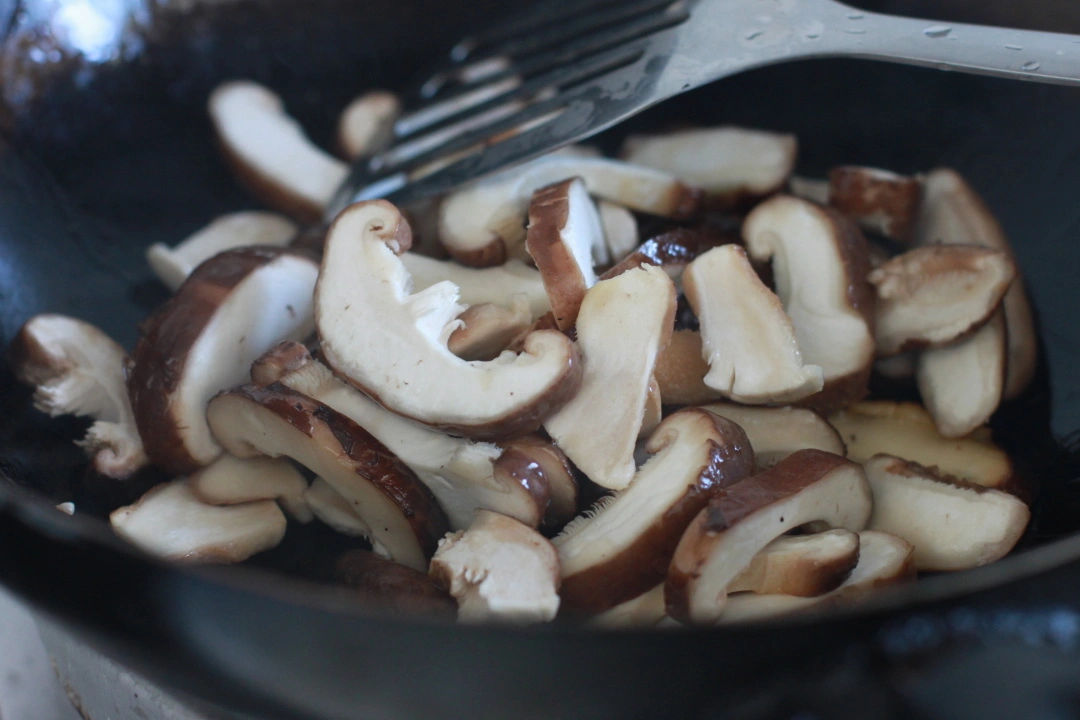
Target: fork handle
[[1018, 54]]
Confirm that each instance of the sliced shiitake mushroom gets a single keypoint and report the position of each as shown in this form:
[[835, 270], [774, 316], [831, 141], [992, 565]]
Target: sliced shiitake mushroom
[[488, 329], [879, 200], [884, 560], [622, 546], [930, 296], [169, 521], [231, 480], [392, 344], [907, 431], [623, 324], [464, 475], [495, 285], [620, 230], [680, 371], [523, 457], [499, 570], [670, 251], [391, 588], [231, 310], [484, 224], [269, 152], [747, 338], [820, 265], [366, 124], [564, 227], [801, 565], [953, 524], [253, 227], [646, 610], [739, 521], [331, 507], [812, 189], [775, 433], [76, 369], [400, 511], [953, 214], [732, 165]]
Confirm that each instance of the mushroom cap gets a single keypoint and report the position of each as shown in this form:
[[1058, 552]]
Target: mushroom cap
[[953, 524], [623, 545], [680, 371], [747, 338], [775, 433], [671, 251], [392, 344], [76, 369], [231, 480], [231, 310], [522, 458], [623, 324], [169, 521], [878, 200], [820, 264], [487, 330], [801, 565], [391, 588], [739, 521], [499, 570], [400, 511]]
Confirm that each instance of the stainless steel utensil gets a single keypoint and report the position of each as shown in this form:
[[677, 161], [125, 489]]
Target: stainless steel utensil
[[567, 70]]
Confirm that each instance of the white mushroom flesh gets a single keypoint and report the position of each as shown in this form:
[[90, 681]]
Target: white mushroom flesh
[[366, 125], [497, 285], [775, 433], [620, 232], [646, 610], [331, 508], [231, 480], [802, 565]]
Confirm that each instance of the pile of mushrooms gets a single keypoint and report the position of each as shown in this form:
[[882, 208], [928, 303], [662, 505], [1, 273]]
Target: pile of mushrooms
[[711, 388]]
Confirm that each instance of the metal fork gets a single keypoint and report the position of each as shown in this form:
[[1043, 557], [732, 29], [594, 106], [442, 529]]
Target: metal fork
[[571, 68]]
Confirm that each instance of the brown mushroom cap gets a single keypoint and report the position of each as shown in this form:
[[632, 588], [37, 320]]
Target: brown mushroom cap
[[931, 296], [775, 433], [487, 330], [523, 457], [230, 480], [801, 565], [269, 153], [623, 324], [499, 570], [739, 521], [820, 266], [878, 200], [953, 524], [907, 430], [680, 371], [954, 214], [391, 588], [231, 310], [169, 521], [400, 511], [77, 369], [366, 125], [671, 251], [621, 548], [747, 338], [392, 344]]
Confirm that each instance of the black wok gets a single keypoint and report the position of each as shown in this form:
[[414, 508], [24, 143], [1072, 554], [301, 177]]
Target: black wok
[[107, 152]]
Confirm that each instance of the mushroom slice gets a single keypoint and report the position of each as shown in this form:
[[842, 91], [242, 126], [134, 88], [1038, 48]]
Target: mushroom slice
[[646, 610], [775, 433], [391, 588], [463, 474], [933, 295], [622, 546], [76, 369], [499, 570], [953, 214], [812, 189], [487, 329], [877, 200], [953, 524], [173, 265], [746, 337], [366, 125], [393, 345], [620, 230], [654, 409], [680, 371], [329, 506], [170, 522], [232, 309], [533, 453], [496, 285], [624, 322], [274, 420], [730, 164], [483, 224], [820, 266], [564, 227], [801, 565], [269, 152], [671, 251], [896, 367], [739, 521], [962, 383], [907, 430], [884, 560], [231, 480]]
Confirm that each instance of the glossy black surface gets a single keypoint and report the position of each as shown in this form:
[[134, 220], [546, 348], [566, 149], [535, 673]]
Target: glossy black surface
[[100, 165]]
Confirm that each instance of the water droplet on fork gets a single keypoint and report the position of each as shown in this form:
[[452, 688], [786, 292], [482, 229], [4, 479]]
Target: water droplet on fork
[[1031, 66], [752, 34], [1014, 47], [937, 31], [855, 16], [855, 31]]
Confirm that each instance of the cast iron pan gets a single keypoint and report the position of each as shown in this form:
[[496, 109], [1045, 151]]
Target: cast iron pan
[[100, 159]]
